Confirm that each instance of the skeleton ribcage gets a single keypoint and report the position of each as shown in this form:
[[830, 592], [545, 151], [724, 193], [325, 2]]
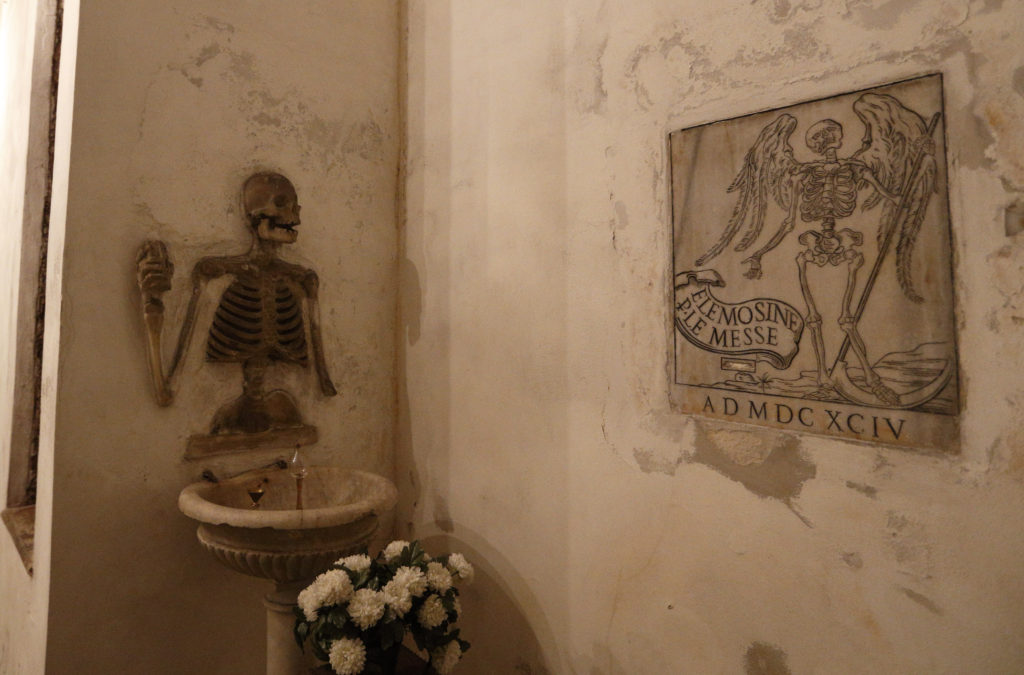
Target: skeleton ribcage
[[829, 192], [253, 322]]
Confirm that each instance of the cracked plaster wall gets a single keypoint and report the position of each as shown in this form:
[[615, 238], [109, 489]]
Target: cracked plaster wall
[[611, 534], [174, 104]]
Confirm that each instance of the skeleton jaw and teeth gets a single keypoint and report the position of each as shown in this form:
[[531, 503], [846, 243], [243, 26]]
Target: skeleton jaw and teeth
[[273, 208]]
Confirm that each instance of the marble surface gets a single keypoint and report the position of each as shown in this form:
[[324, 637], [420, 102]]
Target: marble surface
[[331, 496]]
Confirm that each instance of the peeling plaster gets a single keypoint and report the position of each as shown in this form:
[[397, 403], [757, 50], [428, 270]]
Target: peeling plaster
[[650, 462], [592, 94], [1007, 265], [770, 465], [683, 59], [780, 11], [1018, 80], [218, 25], [877, 16]]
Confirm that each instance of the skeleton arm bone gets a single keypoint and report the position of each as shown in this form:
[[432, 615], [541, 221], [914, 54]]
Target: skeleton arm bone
[[205, 269], [154, 279], [311, 285], [869, 176], [785, 228], [154, 271]]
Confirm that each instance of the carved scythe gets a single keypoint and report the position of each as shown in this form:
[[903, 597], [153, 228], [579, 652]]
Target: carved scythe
[[841, 379]]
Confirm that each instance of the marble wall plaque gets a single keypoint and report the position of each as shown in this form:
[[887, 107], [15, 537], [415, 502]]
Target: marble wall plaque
[[813, 268]]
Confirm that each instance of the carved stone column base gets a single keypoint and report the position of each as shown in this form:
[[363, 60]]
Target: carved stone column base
[[284, 657]]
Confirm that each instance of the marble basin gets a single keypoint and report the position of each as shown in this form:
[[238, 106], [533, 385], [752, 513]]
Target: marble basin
[[341, 509]]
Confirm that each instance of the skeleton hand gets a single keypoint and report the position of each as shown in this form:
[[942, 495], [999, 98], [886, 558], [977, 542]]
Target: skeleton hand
[[154, 274], [754, 272]]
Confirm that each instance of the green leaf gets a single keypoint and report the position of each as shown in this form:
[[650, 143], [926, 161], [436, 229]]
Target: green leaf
[[319, 651], [301, 631], [338, 616], [387, 639]]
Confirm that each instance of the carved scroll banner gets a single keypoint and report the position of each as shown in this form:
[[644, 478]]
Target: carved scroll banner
[[762, 328], [813, 269]]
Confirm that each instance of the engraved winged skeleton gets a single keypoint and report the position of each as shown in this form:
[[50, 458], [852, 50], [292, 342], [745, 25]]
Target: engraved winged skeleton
[[895, 166]]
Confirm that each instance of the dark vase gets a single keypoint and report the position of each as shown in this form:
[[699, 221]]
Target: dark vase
[[382, 662]]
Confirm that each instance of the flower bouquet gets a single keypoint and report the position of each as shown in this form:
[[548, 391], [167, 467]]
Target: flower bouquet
[[356, 614]]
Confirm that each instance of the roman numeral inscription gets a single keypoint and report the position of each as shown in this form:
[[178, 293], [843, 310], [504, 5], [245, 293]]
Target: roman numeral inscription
[[807, 417]]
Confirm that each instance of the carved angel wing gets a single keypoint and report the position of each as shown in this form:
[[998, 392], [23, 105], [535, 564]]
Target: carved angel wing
[[899, 151], [767, 171]]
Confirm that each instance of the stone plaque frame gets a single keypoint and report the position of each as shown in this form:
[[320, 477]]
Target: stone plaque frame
[[812, 266]]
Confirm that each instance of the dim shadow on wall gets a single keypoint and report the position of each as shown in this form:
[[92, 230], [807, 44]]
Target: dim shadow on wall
[[503, 593]]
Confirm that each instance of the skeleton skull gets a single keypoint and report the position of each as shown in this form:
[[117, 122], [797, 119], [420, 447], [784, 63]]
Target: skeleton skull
[[271, 206], [824, 135]]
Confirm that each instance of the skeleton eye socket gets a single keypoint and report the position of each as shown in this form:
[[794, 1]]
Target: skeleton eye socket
[[281, 201]]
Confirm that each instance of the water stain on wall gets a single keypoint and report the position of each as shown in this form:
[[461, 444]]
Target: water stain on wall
[[442, 515], [908, 544], [853, 560], [922, 600], [765, 659], [867, 490]]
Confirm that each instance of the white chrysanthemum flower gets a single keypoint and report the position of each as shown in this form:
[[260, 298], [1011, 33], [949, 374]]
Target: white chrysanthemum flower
[[438, 577], [333, 587], [399, 592], [366, 607], [460, 567], [412, 578], [397, 597], [337, 585], [444, 659], [432, 613], [356, 563], [348, 656], [310, 600], [394, 549]]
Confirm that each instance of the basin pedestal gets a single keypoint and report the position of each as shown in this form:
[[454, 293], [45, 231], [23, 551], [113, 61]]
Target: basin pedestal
[[284, 656]]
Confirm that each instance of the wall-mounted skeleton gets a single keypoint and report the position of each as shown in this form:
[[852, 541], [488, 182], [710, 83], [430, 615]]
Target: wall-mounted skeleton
[[896, 163], [258, 320]]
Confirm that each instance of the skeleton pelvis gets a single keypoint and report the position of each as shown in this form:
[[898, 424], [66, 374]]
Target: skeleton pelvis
[[831, 247], [252, 415]]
